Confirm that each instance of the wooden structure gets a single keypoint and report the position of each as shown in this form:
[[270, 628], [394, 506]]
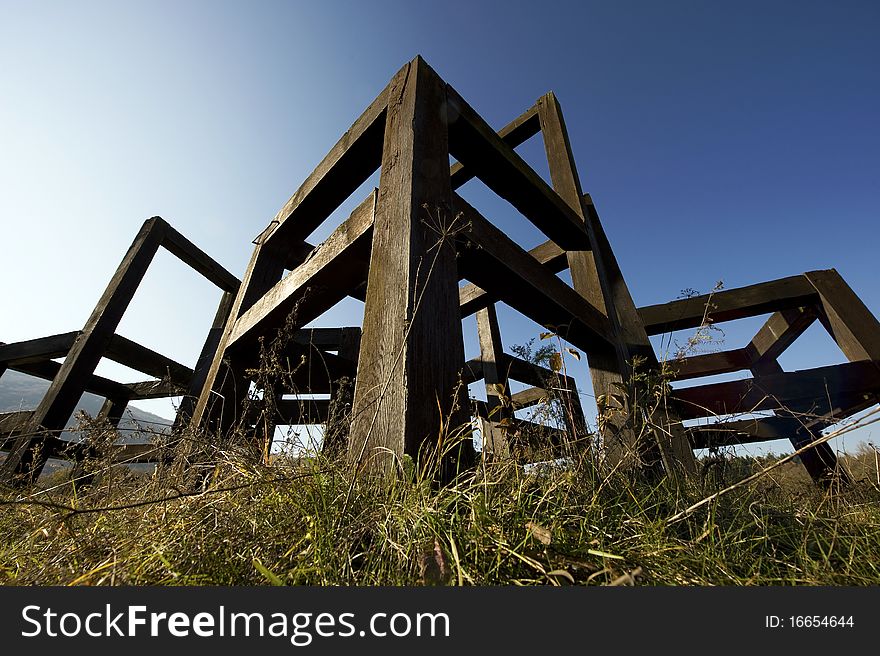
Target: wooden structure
[[421, 258], [32, 436], [803, 402]]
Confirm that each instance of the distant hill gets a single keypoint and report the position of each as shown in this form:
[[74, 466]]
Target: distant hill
[[21, 392]]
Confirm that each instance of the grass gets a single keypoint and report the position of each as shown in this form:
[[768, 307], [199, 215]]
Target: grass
[[310, 521]]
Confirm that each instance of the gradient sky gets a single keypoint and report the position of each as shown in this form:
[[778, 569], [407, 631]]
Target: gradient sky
[[720, 140]]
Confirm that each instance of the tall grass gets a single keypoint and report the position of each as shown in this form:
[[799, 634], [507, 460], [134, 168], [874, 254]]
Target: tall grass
[[311, 521]]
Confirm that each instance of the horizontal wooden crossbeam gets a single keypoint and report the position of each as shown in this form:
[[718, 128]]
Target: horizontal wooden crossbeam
[[133, 355], [303, 411], [728, 305], [148, 389], [774, 337], [37, 350], [499, 265], [774, 391], [11, 422]]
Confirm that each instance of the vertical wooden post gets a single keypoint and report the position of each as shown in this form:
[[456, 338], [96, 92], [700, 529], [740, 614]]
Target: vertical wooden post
[[26, 459], [494, 427], [225, 387], [408, 392], [597, 277]]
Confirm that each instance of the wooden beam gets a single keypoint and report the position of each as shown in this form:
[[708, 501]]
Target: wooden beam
[[728, 305], [482, 151], [101, 386], [131, 354], [473, 298], [112, 410], [709, 364], [778, 333], [847, 318], [745, 431], [153, 389], [303, 411], [529, 397], [776, 390], [597, 277], [497, 384], [330, 339], [197, 259], [507, 271], [37, 350], [518, 131], [25, 461], [13, 422], [225, 386], [317, 284], [412, 322], [353, 159]]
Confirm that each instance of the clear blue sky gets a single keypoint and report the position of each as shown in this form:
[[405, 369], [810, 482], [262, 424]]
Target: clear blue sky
[[721, 141]]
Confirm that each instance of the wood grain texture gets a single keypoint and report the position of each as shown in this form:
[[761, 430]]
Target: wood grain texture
[[412, 351], [497, 385], [482, 151], [37, 350], [502, 267]]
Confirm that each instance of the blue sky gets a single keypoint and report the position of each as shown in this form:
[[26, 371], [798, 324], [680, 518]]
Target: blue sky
[[720, 141]]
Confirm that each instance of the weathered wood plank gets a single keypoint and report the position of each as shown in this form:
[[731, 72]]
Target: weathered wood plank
[[728, 305], [11, 422], [190, 254], [597, 277], [519, 130], [353, 159], [330, 339], [26, 461], [530, 396], [473, 298], [745, 431], [516, 278], [37, 350], [303, 411], [100, 385], [496, 382], [412, 322], [153, 389], [847, 318], [318, 283], [482, 151], [778, 333], [112, 410], [779, 390], [131, 354], [709, 364]]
